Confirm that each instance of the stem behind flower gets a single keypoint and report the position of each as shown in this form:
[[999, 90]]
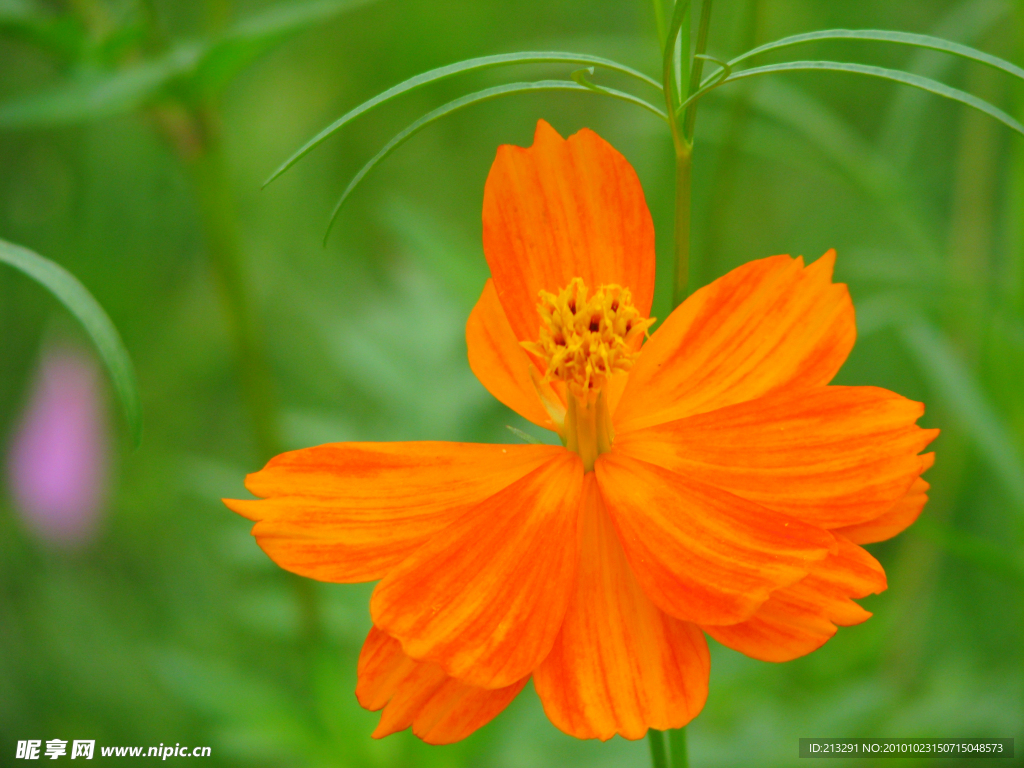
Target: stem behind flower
[[682, 125], [659, 759]]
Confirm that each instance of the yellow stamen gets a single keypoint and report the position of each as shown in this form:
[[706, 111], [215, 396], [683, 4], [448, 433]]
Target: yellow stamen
[[584, 340]]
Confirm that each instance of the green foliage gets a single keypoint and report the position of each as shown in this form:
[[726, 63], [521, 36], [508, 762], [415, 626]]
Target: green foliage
[[173, 626], [462, 102], [904, 120], [886, 36], [450, 70], [95, 95], [897, 76], [195, 69], [79, 302]]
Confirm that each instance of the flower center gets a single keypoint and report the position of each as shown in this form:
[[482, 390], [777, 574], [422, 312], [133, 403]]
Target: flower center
[[585, 338]]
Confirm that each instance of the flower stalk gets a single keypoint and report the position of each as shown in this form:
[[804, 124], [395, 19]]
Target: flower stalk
[[677, 745], [659, 757], [682, 122], [681, 278], [588, 427]]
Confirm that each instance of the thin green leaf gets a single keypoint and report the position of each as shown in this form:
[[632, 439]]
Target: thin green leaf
[[659, 20], [98, 95], [953, 381], [904, 119], [697, 68], [672, 78], [477, 98], [524, 436], [895, 75], [580, 76], [714, 79], [79, 302], [887, 36], [258, 34], [441, 73]]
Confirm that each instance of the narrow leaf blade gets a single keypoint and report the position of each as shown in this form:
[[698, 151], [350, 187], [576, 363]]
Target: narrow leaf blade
[[895, 75], [450, 70], [468, 100], [887, 36], [79, 302], [967, 21]]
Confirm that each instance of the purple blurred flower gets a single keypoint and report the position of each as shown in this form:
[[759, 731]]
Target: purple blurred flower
[[58, 462]]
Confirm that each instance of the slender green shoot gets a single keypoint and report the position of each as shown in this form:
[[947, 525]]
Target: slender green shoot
[[887, 36], [895, 75], [80, 303], [677, 747], [656, 740], [659, 20], [679, 14], [526, 437], [478, 97], [450, 70], [696, 69], [715, 79]]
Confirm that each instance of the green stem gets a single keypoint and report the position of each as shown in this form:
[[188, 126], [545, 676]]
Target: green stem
[[657, 741], [681, 281], [682, 137], [677, 746]]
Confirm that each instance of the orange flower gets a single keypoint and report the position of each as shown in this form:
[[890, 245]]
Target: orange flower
[[710, 480]]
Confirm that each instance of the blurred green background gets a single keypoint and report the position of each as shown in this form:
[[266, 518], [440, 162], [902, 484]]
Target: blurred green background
[[170, 625]]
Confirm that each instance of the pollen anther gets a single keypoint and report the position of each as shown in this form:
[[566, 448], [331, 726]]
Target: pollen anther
[[587, 337]]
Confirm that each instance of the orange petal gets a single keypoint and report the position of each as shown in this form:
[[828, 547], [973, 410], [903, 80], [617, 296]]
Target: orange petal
[[353, 511], [765, 325], [895, 520], [440, 709], [700, 553], [562, 209], [485, 599], [832, 456], [503, 366], [619, 665], [799, 619]]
